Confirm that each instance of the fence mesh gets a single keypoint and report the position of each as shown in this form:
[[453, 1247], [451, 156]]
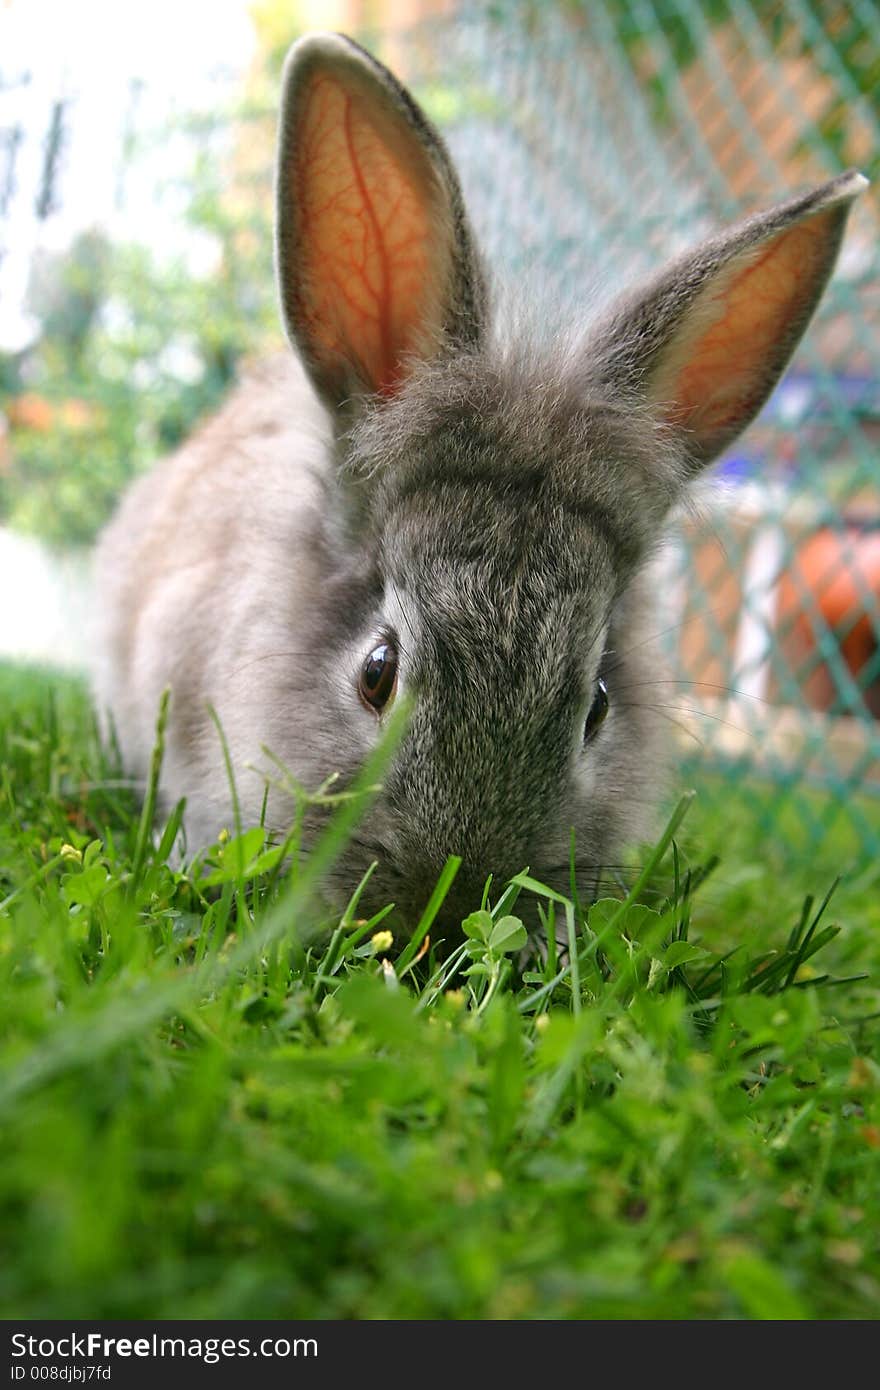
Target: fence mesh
[[594, 140]]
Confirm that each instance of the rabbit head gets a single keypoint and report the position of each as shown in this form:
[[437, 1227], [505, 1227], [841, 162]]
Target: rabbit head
[[500, 505]]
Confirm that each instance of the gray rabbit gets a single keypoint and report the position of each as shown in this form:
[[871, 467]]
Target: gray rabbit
[[406, 503]]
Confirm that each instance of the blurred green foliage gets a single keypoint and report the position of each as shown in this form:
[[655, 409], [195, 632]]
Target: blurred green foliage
[[133, 348]]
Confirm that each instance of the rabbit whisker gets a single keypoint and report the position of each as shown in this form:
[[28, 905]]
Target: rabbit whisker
[[655, 637], [695, 685]]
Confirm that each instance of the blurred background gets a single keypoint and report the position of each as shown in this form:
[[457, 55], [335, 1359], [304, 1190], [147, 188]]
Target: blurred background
[[595, 138]]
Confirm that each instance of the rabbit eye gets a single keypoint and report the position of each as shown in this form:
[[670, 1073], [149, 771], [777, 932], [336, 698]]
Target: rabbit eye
[[378, 678], [598, 710]]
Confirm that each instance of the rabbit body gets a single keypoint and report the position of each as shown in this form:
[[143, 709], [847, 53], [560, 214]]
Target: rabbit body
[[181, 609], [408, 494]]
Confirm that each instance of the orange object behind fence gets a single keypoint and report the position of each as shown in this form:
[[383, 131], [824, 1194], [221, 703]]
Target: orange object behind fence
[[840, 571]]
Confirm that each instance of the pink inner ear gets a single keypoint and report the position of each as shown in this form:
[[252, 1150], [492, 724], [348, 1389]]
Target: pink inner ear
[[719, 375], [366, 292]]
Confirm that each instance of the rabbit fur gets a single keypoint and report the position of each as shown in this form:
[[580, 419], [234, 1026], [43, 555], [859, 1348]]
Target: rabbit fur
[[403, 476]]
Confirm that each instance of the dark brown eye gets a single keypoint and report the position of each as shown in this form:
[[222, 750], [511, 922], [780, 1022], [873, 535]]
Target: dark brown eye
[[378, 678], [598, 710]]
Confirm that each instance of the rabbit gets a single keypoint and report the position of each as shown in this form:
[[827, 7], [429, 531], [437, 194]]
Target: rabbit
[[409, 502]]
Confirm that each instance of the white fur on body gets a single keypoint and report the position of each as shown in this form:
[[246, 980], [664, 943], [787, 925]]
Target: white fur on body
[[200, 577]]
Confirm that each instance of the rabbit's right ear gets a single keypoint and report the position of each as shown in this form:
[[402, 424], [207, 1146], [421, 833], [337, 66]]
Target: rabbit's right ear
[[705, 343], [376, 262]]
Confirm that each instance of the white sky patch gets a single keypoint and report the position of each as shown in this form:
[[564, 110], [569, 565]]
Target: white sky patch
[[186, 53], [168, 42]]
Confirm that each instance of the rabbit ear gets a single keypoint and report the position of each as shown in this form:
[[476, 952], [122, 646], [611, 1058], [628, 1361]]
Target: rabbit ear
[[376, 263], [707, 341]]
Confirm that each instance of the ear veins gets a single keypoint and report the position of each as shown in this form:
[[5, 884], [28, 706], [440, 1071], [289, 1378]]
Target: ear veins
[[364, 234], [754, 317], [383, 293]]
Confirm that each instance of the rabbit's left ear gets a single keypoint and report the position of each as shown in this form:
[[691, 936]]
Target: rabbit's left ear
[[706, 342], [376, 262]]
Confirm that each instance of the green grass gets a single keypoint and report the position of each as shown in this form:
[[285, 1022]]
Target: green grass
[[215, 1104]]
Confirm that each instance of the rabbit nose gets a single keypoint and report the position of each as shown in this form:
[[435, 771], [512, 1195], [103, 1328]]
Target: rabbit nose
[[464, 895]]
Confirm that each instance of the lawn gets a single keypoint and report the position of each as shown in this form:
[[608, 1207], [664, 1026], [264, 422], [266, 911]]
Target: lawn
[[216, 1103]]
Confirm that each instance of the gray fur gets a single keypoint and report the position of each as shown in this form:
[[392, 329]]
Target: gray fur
[[498, 512]]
